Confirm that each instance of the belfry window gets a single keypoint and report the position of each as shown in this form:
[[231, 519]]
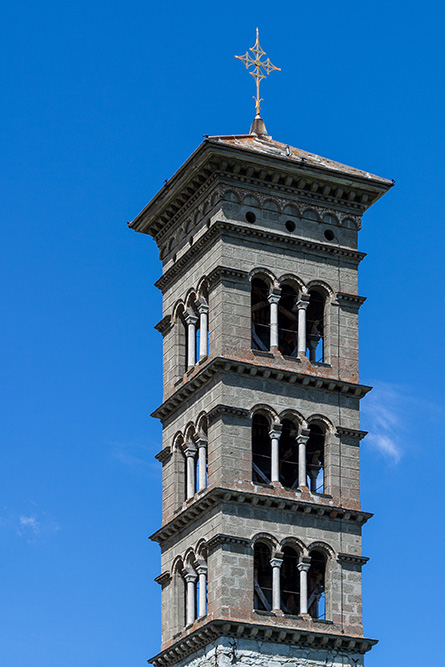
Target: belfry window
[[261, 450], [288, 453], [316, 602], [290, 582], [260, 315], [315, 458], [288, 322], [262, 577], [315, 326]]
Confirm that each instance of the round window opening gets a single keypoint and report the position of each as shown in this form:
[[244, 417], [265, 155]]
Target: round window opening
[[329, 235], [250, 216], [290, 225]]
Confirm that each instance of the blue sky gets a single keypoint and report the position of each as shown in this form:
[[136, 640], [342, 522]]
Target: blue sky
[[101, 102]]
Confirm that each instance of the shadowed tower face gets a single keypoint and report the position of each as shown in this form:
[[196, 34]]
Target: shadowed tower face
[[261, 533]]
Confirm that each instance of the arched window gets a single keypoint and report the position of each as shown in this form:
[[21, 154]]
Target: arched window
[[262, 577], [315, 326], [261, 449], [290, 582], [316, 602], [179, 609], [288, 321], [260, 310], [315, 458], [288, 453]]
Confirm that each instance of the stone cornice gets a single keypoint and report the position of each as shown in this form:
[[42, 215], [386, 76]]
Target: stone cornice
[[350, 300], [220, 538], [226, 365], [220, 409], [230, 228], [217, 496], [350, 558], [164, 454], [351, 433], [212, 630], [163, 578], [164, 325]]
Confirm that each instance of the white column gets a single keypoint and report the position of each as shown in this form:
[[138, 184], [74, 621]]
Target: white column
[[274, 435], [302, 441], [203, 329], [202, 602], [302, 307], [202, 463], [273, 299], [191, 321], [303, 568], [276, 563], [190, 454], [190, 577]]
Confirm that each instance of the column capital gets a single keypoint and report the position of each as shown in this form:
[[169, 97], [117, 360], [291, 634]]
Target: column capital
[[190, 449], [274, 296], [275, 431], [203, 308], [303, 566], [302, 438], [201, 567], [201, 442], [189, 575], [276, 562], [303, 303], [190, 318]]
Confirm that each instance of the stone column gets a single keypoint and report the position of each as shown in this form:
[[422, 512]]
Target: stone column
[[191, 321], [303, 568], [273, 299], [274, 435], [302, 308], [203, 310], [190, 577], [276, 563], [202, 459], [190, 455], [202, 602], [302, 441]]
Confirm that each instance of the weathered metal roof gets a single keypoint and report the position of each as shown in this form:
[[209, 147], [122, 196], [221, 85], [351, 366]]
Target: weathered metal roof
[[268, 146]]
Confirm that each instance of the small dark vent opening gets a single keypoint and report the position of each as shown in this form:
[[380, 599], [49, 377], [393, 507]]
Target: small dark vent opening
[[250, 217], [290, 225]]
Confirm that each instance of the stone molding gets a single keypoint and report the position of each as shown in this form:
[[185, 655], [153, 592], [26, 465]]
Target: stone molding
[[163, 578], [164, 325], [350, 558], [347, 300], [164, 454], [224, 272], [220, 409], [351, 433], [223, 364], [212, 630], [231, 228], [220, 538], [218, 495]]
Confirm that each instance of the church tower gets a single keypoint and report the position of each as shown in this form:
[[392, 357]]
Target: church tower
[[261, 533]]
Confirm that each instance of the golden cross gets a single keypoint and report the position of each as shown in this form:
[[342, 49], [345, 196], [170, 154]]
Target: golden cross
[[259, 65]]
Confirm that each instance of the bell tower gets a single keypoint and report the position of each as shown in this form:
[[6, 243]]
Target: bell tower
[[261, 534]]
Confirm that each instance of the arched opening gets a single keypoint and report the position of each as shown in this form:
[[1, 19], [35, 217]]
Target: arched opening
[[315, 326], [316, 602], [262, 581], [315, 458], [261, 450], [179, 597], [288, 321], [290, 582], [288, 453], [260, 310]]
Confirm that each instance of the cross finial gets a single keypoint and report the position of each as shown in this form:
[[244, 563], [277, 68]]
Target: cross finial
[[261, 68]]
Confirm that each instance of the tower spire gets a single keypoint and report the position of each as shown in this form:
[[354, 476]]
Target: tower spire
[[261, 69]]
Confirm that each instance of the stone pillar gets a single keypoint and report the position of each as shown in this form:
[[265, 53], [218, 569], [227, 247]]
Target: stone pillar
[[273, 299], [191, 321], [190, 455], [302, 441], [202, 459], [202, 602], [303, 568], [276, 563], [190, 577], [203, 310], [302, 308], [274, 435]]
